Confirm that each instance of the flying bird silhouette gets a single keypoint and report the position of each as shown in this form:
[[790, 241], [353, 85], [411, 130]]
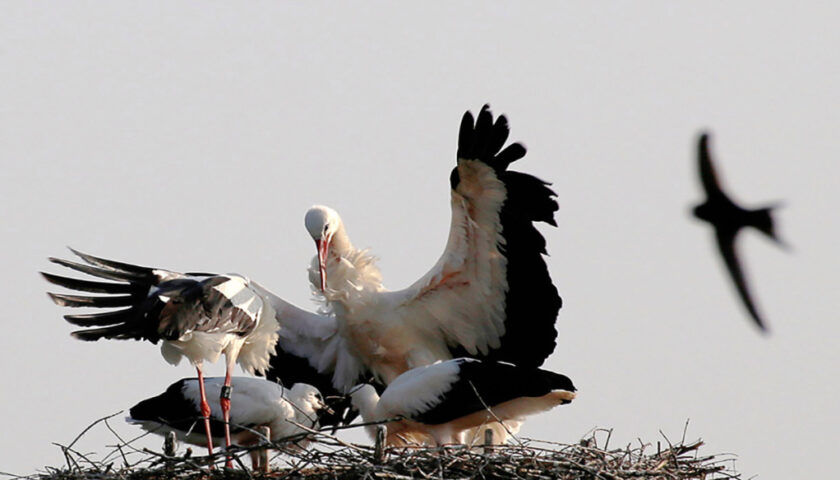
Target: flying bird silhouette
[[727, 218]]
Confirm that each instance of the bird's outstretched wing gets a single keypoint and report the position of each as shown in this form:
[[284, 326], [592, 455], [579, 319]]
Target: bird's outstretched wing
[[160, 304], [490, 294], [726, 244], [708, 177]]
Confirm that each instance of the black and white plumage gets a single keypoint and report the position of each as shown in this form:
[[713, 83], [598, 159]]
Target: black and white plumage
[[728, 218], [187, 313], [489, 295], [255, 402], [193, 315], [446, 399]]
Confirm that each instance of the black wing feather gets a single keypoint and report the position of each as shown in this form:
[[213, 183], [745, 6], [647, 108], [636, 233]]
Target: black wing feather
[[85, 301], [726, 244], [708, 176], [499, 135], [507, 156], [465, 136], [114, 265], [89, 286], [135, 322], [101, 319], [101, 272], [161, 304], [532, 301]]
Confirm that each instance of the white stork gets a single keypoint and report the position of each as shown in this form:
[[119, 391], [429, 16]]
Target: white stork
[[255, 402], [197, 316], [489, 296], [446, 399]]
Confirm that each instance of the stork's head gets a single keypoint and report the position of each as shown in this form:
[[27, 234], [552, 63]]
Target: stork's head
[[308, 403], [322, 223], [309, 398]]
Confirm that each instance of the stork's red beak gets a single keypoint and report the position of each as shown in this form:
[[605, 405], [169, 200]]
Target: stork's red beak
[[323, 250]]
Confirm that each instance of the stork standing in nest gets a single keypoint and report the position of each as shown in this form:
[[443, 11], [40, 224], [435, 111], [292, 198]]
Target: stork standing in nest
[[489, 296], [193, 315]]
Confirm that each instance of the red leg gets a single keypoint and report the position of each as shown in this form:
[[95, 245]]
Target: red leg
[[205, 409], [224, 401]]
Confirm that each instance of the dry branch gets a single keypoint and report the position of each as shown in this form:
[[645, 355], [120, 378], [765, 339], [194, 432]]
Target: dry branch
[[331, 458]]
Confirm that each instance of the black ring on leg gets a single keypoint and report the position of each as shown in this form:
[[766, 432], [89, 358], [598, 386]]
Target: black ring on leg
[[225, 392]]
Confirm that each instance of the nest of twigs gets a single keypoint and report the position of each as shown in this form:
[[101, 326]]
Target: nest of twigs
[[329, 457]]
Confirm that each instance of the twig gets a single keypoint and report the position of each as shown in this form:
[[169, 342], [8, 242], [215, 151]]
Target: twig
[[329, 457], [91, 426], [493, 414]]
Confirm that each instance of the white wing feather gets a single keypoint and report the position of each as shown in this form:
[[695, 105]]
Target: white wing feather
[[461, 299]]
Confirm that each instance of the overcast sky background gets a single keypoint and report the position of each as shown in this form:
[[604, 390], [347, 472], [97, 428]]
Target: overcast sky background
[[194, 135]]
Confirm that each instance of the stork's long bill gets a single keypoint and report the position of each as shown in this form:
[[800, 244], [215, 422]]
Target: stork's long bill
[[323, 245]]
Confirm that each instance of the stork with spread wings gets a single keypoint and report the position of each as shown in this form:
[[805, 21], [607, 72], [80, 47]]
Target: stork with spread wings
[[489, 296]]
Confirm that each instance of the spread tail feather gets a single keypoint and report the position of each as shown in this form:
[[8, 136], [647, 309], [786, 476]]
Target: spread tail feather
[[763, 221]]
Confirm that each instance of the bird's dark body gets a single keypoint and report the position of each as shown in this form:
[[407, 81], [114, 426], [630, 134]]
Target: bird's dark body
[[728, 218]]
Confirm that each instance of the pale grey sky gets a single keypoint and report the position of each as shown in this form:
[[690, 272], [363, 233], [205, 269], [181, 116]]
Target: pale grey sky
[[194, 135]]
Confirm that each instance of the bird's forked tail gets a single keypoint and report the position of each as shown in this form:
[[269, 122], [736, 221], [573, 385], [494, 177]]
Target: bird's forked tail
[[762, 219]]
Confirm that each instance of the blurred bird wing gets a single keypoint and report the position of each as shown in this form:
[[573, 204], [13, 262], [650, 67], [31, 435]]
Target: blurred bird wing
[[708, 176], [726, 244]]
